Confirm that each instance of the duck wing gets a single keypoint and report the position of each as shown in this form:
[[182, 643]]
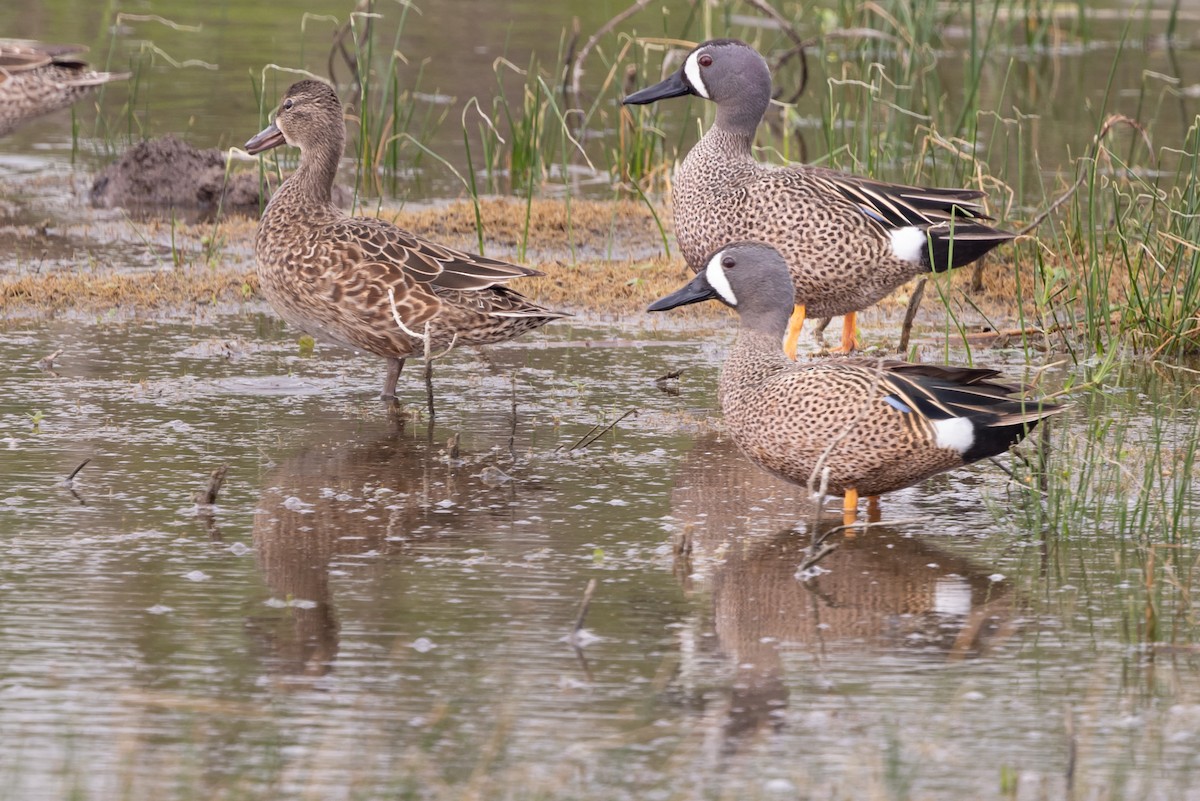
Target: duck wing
[[367, 265], [20, 56], [424, 261], [940, 393], [898, 205]]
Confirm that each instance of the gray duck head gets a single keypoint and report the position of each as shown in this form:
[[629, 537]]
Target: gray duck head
[[309, 117], [750, 277], [728, 72]]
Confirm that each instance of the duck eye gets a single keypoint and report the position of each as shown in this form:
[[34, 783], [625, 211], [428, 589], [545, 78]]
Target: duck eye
[[287, 105], [728, 262], [705, 60]]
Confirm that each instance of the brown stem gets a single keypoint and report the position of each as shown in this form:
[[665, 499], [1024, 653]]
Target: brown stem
[[575, 69]]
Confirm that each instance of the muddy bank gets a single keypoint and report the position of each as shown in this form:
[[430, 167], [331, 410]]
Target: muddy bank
[[170, 173], [600, 258], [600, 288]]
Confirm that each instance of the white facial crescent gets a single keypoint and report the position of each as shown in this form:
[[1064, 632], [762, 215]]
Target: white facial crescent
[[717, 279], [691, 68]]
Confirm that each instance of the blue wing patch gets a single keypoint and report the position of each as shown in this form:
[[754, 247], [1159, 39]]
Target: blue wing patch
[[874, 215], [897, 404]]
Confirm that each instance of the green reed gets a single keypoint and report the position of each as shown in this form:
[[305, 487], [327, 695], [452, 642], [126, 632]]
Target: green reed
[[1120, 479], [527, 129], [385, 110]]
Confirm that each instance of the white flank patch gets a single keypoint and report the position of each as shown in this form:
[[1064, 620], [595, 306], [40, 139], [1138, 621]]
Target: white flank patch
[[717, 279], [691, 68], [957, 434], [908, 243]]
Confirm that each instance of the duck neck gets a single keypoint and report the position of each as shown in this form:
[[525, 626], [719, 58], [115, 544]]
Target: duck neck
[[764, 330], [318, 168], [757, 354], [728, 142], [740, 120]]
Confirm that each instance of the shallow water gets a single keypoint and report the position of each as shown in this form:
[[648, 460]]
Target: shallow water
[[363, 616]]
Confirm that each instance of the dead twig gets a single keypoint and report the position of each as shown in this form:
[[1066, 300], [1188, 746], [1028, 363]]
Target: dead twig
[[581, 439], [798, 44], [826, 549], [575, 68], [818, 550], [68, 483], [569, 58], [46, 363], [75, 472], [208, 495], [338, 47], [669, 382], [584, 603], [605, 430], [910, 314]]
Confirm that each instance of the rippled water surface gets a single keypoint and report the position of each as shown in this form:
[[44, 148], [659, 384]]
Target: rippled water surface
[[365, 615], [371, 611]]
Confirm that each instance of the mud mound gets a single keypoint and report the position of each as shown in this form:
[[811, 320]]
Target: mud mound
[[170, 172]]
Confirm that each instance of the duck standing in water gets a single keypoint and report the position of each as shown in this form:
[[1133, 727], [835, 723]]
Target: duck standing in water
[[848, 241], [363, 283], [855, 426]]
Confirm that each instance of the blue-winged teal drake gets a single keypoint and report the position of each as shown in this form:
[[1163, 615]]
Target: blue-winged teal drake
[[875, 425], [38, 78], [849, 241], [364, 283]]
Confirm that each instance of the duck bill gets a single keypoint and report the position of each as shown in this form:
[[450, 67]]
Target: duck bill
[[698, 289], [674, 86], [266, 139]]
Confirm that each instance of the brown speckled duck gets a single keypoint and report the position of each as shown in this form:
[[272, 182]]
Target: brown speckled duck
[[38, 78], [849, 241], [876, 425], [363, 283]]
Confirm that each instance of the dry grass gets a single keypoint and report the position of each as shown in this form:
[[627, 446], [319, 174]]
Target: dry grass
[[594, 284], [36, 295], [554, 227]]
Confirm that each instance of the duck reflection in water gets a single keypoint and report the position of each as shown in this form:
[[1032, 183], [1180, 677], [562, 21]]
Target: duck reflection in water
[[876, 597], [331, 501]]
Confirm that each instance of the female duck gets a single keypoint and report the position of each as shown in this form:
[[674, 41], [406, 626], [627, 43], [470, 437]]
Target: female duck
[[874, 425], [363, 283]]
